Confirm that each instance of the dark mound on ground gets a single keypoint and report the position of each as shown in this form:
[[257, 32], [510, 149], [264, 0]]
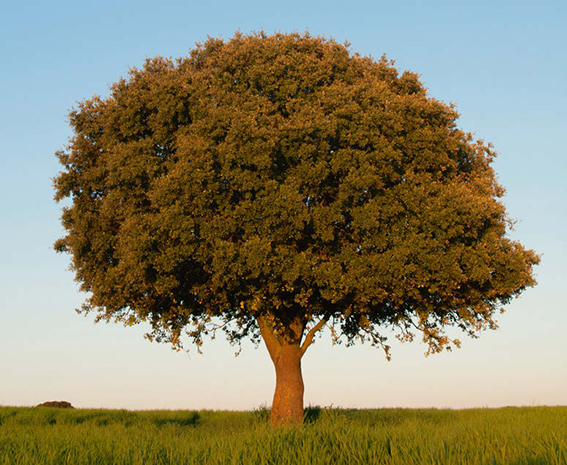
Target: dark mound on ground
[[56, 404]]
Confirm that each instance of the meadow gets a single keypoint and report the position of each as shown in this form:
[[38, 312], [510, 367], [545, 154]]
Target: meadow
[[329, 436]]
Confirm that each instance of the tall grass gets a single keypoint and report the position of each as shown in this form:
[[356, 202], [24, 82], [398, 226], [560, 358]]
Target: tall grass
[[329, 436]]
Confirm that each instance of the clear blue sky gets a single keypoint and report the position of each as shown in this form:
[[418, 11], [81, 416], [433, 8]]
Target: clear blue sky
[[504, 63]]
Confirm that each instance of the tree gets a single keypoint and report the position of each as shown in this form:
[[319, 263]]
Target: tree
[[272, 185]]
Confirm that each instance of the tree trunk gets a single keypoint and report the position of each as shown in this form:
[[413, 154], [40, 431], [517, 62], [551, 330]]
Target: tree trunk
[[285, 351], [287, 406]]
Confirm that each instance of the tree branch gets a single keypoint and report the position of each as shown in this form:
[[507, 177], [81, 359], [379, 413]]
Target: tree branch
[[376, 339], [273, 344], [309, 337]]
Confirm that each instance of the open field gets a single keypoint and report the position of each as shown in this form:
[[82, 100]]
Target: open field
[[390, 436]]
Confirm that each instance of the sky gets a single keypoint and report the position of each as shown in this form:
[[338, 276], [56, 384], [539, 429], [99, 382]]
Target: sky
[[503, 63]]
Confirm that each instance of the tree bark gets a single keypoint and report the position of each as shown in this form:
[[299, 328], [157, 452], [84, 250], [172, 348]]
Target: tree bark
[[287, 406], [286, 352]]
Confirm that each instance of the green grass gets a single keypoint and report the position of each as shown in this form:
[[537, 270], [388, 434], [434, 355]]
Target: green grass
[[329, 436]]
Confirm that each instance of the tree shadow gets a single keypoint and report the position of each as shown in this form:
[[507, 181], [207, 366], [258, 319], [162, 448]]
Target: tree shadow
[[311, 414], [191, 419]]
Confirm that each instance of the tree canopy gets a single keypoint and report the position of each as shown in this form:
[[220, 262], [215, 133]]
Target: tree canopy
[[270, 185]]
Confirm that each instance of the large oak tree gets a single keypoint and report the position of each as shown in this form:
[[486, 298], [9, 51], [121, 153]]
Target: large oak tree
[[273, 185]]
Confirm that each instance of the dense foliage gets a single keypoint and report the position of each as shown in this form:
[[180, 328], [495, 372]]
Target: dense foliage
[[272, 185], [283, 176]]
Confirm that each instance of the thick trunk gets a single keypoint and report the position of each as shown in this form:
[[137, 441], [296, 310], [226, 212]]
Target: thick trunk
[[285, 351], [287, 407]]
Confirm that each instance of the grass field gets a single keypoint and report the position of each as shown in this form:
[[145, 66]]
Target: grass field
[[329, 436]]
